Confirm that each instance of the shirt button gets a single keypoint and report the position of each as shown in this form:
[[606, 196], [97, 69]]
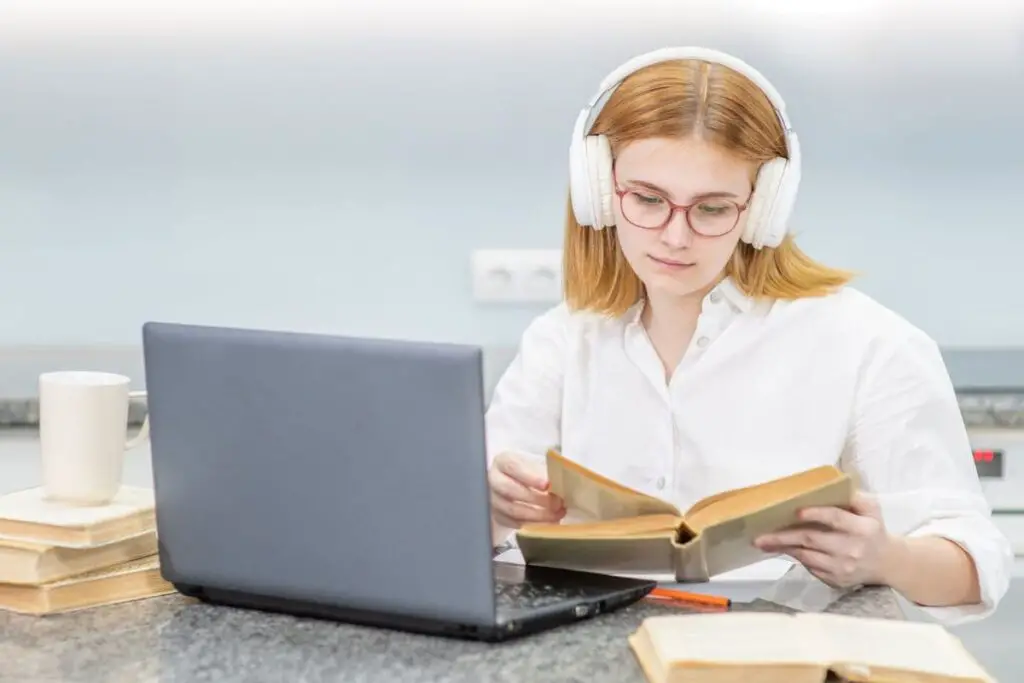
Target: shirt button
[[716, 297], [660, 483], [702, 342]]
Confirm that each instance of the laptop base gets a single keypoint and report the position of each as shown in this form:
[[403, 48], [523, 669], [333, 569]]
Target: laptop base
[[609, 594]]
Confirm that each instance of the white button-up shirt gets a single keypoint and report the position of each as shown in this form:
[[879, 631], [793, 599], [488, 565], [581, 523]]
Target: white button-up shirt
[[765, 389]]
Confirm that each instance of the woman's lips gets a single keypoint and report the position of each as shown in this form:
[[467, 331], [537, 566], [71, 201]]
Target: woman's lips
[[670, 263]]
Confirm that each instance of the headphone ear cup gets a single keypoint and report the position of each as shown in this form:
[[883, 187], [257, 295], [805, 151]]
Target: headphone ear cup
[[777, 225], [579, 184], [764, 227], [602, 192]]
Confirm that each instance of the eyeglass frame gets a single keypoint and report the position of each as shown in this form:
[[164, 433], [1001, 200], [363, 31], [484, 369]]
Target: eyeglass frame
[[673, 208]]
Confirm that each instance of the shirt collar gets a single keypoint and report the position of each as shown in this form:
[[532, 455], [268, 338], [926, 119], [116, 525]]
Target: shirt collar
[[727, 289], [742, 302]]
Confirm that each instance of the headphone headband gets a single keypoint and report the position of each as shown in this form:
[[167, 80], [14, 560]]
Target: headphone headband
[[612, 81]]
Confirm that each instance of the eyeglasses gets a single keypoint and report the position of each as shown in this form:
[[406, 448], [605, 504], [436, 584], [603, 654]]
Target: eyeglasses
[[711, 217]]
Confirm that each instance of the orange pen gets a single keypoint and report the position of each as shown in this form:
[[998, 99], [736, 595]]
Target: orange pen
[[672, 595]]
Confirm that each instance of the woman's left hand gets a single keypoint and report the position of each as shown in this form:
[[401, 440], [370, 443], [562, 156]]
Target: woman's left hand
[[847, 547]]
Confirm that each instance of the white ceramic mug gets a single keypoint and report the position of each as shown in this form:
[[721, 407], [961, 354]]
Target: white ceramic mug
[[83, 423]]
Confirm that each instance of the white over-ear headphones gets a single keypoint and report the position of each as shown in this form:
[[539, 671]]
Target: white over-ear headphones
[[590, 158]]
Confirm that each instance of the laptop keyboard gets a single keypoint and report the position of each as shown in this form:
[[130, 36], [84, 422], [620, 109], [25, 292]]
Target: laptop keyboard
[[511, 596]]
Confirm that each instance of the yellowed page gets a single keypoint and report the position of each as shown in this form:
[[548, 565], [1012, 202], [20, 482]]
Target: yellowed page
[[35, 564], [135, 579], [30, 505], [588, 495], [738, 638], [638, 555], [728, 544], [29, 516], [655, 670], [749, 500], [894, 645], [644, 526]]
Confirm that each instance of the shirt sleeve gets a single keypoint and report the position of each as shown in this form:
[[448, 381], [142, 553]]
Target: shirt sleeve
[[525, 411], [910, 447]]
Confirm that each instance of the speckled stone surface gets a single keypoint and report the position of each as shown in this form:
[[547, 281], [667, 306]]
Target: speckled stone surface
[[992, 410], [979, 410], [24, 412], [173, 638]]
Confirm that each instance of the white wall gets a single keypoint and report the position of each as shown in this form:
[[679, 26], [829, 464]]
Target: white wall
[[290, 165]]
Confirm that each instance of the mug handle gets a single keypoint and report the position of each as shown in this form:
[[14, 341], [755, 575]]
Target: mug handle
[[144, 430]]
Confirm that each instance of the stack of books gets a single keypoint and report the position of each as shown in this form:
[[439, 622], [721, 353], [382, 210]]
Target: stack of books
[[57, 557]]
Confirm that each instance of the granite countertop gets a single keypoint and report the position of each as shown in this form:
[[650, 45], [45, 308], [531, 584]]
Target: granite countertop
[[1003, 410], [173, 638]]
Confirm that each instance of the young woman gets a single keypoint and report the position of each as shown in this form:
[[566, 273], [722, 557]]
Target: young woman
[[698, 349]]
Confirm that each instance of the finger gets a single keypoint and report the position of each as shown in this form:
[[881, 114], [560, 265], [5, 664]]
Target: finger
[[515, 524], [836, 518], [834, 570], [829, 542], [518, 469], [505, 521], [816, 561], [507, 487], [523, 512], [526, 514], [830, 579], [866, 505], [826, 578]]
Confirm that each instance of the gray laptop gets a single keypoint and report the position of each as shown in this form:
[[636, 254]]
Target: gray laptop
[[342, 478]]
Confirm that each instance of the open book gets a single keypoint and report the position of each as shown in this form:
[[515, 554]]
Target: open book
[[762, 647], [633, 532]]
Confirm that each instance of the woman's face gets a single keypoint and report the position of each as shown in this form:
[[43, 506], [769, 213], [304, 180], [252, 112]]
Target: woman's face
[[673, 258]]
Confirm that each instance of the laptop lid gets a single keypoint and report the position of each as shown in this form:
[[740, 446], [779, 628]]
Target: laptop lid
[[338, 471]]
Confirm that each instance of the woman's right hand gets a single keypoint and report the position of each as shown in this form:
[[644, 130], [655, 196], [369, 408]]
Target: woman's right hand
[[519, 492]]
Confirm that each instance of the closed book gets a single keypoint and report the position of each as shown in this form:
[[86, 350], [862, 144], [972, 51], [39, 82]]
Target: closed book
[[125, 582], [628, 531], [27, 563], [28, 515]]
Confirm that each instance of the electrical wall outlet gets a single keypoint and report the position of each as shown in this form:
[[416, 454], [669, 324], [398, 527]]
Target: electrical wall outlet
[[517, 275]]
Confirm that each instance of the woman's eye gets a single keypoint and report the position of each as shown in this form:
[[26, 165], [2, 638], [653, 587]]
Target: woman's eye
[[647, 198], [711, 209]]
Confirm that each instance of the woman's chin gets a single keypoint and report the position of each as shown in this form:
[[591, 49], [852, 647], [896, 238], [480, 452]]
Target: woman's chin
[[676, 284], [676, 287]]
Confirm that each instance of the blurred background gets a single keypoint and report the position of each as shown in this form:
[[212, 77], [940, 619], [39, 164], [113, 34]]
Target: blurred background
[[333, 166], [340, 167]]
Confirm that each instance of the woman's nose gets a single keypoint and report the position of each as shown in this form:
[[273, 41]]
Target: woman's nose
[[677, 233]]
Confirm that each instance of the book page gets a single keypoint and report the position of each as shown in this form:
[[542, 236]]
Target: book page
[[30, 506], [139, 564], [644, 526], [590, 496], [749, 500], [22, 546], [899, 645], [736, 638]]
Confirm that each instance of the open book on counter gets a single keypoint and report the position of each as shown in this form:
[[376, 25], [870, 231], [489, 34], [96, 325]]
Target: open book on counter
[[758, 647], [635, 532]]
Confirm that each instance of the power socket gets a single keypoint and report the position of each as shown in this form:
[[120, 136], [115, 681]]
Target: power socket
[[517, 275]]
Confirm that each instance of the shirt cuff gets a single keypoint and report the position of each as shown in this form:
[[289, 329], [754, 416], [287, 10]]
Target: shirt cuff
[[993, 560], [504, 538]]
